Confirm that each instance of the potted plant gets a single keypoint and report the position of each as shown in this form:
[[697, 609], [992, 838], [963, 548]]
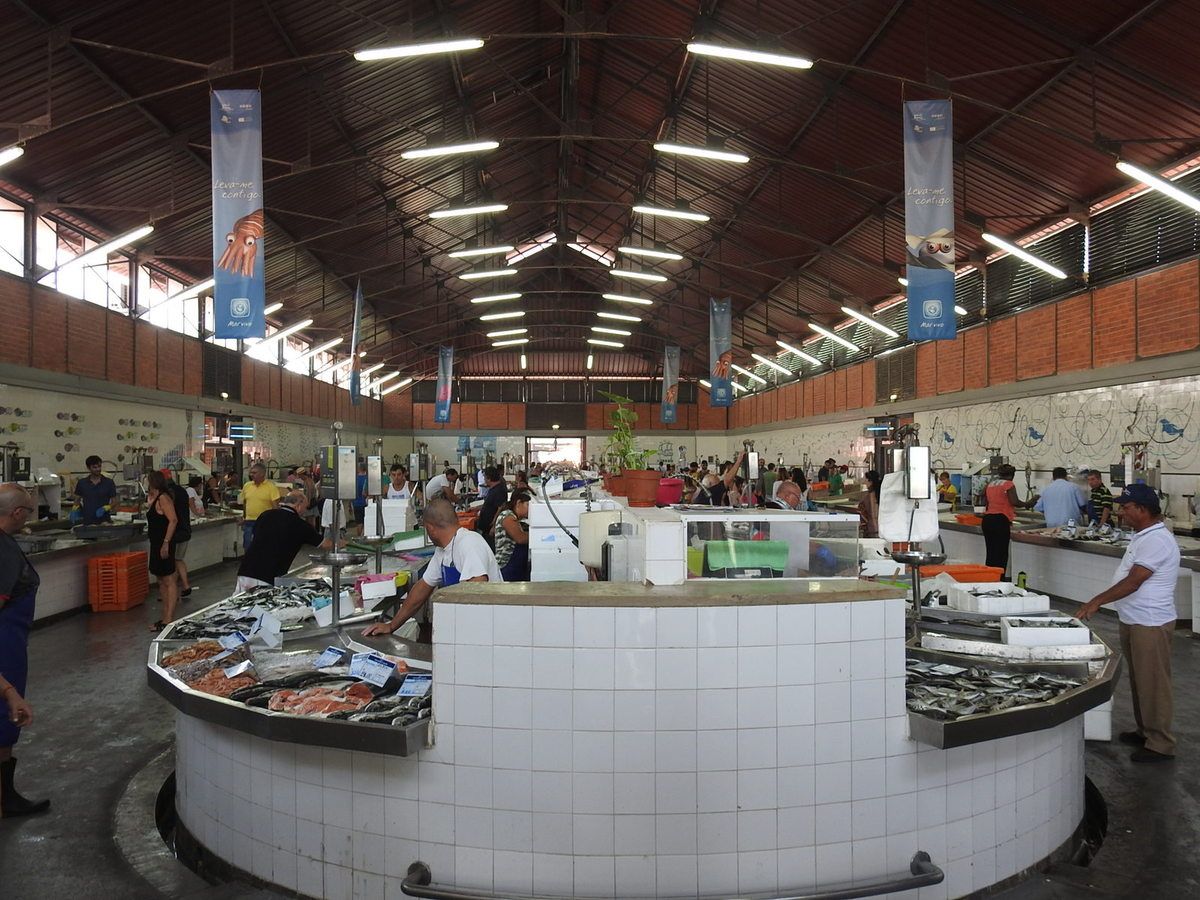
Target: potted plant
[[637, 482]]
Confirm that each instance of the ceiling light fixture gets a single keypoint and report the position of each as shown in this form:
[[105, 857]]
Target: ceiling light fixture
[[867, 320], [706, 383], [492, 298], [787, 60], [469, 252], [8, 154], [807, 357], [511, 342], [701, 152], [619, 332], [195, 290], [428, 48], [537, 247], [328, 345], [636, 275], [737, 387], [1155, 183], [101, 251], [458, 211], [1022, 254], [959, 311], [496, 317], [591, 253], [602, 343], [624, 298], [524, 362], [747, 373], [507, 332], [375, 368], [771, 364], [903, 281], [281, 334], [477, 274], [618, 317], [273, 308], [449, 150], [395, 387], [590, 361], [655, 252], [836, 338], [667, 212], [374, 385]]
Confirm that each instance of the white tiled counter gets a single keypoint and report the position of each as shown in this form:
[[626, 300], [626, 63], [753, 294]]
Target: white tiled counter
[[612, 740]]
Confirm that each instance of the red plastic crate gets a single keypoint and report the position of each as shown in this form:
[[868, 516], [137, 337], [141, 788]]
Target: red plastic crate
[[118, 581]]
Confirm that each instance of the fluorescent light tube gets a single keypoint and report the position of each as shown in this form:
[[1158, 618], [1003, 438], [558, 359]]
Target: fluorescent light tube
[[375, 368], [618, 317], [395, 387], [590, 361], [771, 364], [748, 373], [282, 333], [380, 380], [8, 154], [701, 152], [636, 275], [511, 342], [623, 298], [1023, 255], [620, 332], [903, 281], [273, 308], [867, 320], [960, 311], [477, 274], [449, 150], [1154, 182], [650, 252], [736, 386], [591, 254], [508, 332], [800, 353], [787, 60], [101, 251], [707, 384], [194, 290], [492, 298], [836, 338], [321, 348], [524, 362], [668, 212], [428, 48], [537, 247], [469, 252], [601, 343], [496, 317], [477, 210]]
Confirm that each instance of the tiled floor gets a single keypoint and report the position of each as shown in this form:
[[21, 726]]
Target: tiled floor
[[98, 725]]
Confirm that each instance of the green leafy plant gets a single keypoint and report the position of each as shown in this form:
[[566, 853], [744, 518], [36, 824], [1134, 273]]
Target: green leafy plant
[[622, 445]]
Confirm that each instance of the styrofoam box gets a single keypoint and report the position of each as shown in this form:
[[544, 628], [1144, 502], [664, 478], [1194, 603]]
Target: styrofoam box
[[1034, 636], [375, 590], [1025, 602]]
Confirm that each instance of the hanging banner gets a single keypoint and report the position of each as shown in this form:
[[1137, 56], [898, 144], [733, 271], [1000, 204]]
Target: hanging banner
[[237, 200], [929, 219], [670, 384], [441, 409], [720, 352], [355, 362]]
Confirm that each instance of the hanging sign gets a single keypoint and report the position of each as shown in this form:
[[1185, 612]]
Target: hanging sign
[[929, 219], [441, 409], [355, 361], [237, 211], [720, 352], [670, 384]]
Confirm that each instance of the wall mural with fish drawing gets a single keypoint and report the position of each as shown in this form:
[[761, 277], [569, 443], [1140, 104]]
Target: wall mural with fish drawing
[[1072, 428]]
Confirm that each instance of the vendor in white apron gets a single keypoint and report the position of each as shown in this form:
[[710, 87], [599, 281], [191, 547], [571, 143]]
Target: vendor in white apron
[[461, 555]]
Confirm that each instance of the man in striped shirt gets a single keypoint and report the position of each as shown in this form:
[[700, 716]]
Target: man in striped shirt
[[1100, 500]]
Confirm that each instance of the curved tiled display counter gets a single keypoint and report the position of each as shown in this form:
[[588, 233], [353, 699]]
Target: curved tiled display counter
[[613, 740]]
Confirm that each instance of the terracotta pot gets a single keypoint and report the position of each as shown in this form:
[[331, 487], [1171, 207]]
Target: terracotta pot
[[641, 486], [615, 484]]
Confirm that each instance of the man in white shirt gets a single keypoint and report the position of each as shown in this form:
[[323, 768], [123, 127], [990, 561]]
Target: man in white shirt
[[445, 485], [399, 487], [461, 555], [1144, 592]]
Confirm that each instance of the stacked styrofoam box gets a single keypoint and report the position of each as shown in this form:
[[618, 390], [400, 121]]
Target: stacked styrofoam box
[[1021, 603], [1014, 631]]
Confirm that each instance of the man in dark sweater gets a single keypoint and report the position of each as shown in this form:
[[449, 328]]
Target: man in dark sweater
[[278, 536], [497, 496]]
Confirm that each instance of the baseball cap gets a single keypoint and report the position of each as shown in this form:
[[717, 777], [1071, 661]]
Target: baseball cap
[[1141, 494]]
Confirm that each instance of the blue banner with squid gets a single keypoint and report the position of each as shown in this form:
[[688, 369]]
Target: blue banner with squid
[[670, 384], [929, 219], [441, 407], [720, 352], [239, 294]]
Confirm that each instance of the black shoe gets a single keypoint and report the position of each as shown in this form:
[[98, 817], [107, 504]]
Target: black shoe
[[1133, 738], [1150, 756], [12, 803], [186, 593]]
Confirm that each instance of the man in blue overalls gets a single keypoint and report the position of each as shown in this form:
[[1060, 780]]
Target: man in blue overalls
[[461, 555], [18, 589]]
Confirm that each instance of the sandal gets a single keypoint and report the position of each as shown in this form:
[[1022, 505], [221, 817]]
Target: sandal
[[158, 626]]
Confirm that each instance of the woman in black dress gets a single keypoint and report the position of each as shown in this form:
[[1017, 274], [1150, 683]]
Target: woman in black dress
[[161, 522]]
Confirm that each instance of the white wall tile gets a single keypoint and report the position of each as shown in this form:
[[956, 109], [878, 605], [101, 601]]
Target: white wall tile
[[512, 666], [868, 818], [832, 703], [931, 807], [867, 657], [634, 710], [867, 739], [675, 751], [511, 625], [833, 823], [338, 808], [593, 834], [757, 667], [867, 620], [552, 832], [717, 833], [594, 626], [834, 745], [677, 627], [339, 846], [552, 709], [758, 789], [833, 783], [512, 748], [592, 792], [796, 623], [473, 786], [511, 707], [797, 786], [716, 791], [635, 627], [338, 882], [675, 710], [472, 706], [593, 669], [553, 626], [635, 669], [473, 664], [473, 745], [675, 669], [893, 618], [593, 711], [717, 751], [593, 752], [831, 622], [369, 853], [367, 813], [757, 626], [401, 818], [553, 873], [635, 876], [901, 773], [634, 751], [512, 790], [718, 670], [675, 792], [867, 698], [757, 830], [757, 748], [595, 876], [758, 871], [675, 833], [633, 793], [717, 626], [834, 864], [473, 624], [553, 667], [757, 707], [552, 751], [676, 875], [512, 872], [473, 866], [796, 704], [552, 792], [796, 663]]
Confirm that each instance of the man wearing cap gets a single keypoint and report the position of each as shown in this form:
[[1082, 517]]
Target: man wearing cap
[[1144, 592]]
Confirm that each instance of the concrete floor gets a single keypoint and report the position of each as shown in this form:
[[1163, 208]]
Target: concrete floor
[[101, 747]]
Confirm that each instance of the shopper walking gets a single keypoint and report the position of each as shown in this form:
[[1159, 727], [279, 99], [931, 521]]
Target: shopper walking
[[1002, 503], [1144, 593], [868, 504], [258, 495], [161, 522], [18, 592]]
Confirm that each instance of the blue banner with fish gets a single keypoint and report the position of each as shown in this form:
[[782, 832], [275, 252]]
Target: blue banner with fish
[[720, 352], [929, 219], [239, 293], [670, 384], [441, 408]]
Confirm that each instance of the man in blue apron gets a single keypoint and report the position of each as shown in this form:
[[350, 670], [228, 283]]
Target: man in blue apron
[[18, 590], [461, 555]]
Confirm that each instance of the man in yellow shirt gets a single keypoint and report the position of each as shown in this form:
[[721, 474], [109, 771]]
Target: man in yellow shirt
[[258, 495]]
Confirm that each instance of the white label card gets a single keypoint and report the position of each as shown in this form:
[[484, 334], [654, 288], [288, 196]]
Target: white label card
[[415, 685], [331, 656], [232, 641], [239, 669], [371, 668]]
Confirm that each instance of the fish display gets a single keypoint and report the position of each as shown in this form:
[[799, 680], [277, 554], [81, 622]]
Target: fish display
[[290, 604], [197, 651], [1044, 623], [216, 683], [322, 700], [949, 692]]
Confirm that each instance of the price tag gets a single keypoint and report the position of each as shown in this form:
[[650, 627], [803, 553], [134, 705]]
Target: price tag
[[415, 685], [265, 622], [371, 668], [232, 641], [240, 668], [330, 657], [222, 655]]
